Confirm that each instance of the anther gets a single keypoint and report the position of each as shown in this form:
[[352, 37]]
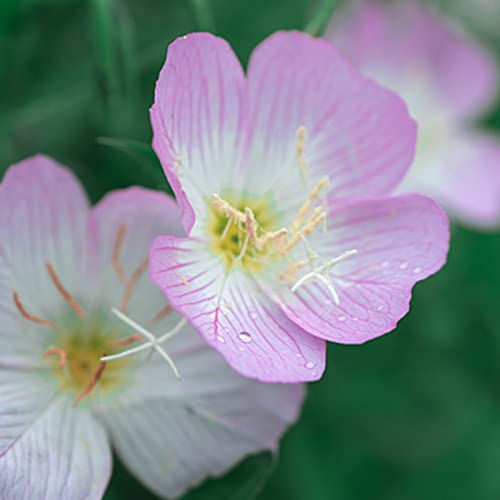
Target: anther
[[60, 288], [120, 236], [132, 282], [53, 351], [126, 341], [306, 206], [95, 380], [161, 314], [227, 209], [301, 145], [317, 217], [27, 315]]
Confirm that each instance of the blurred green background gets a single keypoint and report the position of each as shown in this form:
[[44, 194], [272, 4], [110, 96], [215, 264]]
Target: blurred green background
[[413, 415]]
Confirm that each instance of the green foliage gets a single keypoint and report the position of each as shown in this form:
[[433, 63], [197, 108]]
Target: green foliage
[[413, 415]]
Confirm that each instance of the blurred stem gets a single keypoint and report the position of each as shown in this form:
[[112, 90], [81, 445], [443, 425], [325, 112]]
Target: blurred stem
[[317, 25], [203, 14]]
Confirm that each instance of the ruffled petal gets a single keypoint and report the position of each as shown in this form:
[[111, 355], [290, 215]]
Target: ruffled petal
[[463, 174], [43, 213], [399, 240], [173, 443], [357, 133], [405, 44], [198, 120], [64, 454], [233, 315]]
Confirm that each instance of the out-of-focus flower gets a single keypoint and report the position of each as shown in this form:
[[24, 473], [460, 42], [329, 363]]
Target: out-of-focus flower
[[447, 81], [62, 266], [283, 178]]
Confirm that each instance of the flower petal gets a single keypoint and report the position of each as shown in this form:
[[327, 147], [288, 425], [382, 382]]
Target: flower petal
[[356, 132], [43, 213], [464, 176], [198, 119], [23, 397], [64, 454], [406, 42], [143, 214], [233, 314], [399, 240], [172, 444]]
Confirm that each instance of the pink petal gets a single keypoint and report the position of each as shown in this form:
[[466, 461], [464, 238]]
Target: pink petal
[[64, 454], [43, 213], [357, 133], [233, 315], [405, 40], [464, 176], [199, 117], [144, 214], [400, 241], [202, 425]]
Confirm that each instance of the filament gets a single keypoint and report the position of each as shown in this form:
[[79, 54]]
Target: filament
[[66, 295], [27, 315]]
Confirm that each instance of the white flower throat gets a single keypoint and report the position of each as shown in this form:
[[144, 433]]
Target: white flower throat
[[81, 345], [240, 235]]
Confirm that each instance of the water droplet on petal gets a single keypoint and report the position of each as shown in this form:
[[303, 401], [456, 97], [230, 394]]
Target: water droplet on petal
[[253, 314], [379, 308], [385, 263], [417, 270], [403, 265], [310, 365], [341, 318], [245, 337], [354, 318], [222, 340], [226, 329], [299, 355]]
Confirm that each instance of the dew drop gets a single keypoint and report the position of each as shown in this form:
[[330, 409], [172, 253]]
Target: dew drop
[[354, 318], [341, 318], [417, 270], [245, 337], [299, 355], [220, 339], [403, 265], [310, 365], [253, 314], [226, 329], [379, 308], [385, 263]]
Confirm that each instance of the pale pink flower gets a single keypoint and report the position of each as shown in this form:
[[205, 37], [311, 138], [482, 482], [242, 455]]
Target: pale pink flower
[[283, 179], [448, 81], [62, 267]]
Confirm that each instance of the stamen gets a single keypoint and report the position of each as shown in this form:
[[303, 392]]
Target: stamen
[[161, 314], [126, 341], [152, 341], [301, 145], [95, 379], [27, 315], [244, 248], [132, 282], [53, 351], [317, 217], [120, 236], [66, 295], [227, 209], [306, 206]]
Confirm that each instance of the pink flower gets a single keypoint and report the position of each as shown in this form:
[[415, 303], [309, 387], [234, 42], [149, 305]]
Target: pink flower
[[62, 267], [447, 81], [283, 179]]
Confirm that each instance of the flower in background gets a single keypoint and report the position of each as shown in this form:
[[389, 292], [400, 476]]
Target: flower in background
[[448, 81], [62, 266], [283, 179]]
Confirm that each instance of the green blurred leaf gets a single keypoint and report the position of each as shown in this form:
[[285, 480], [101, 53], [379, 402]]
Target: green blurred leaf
[[202, 10], [318, 24]]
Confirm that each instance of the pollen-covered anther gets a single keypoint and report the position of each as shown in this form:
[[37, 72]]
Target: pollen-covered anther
[[317, 217], [60, 288], [60, 353], [320, 187], [226, 208], [94, 381], [29, 316], [300, 148]]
